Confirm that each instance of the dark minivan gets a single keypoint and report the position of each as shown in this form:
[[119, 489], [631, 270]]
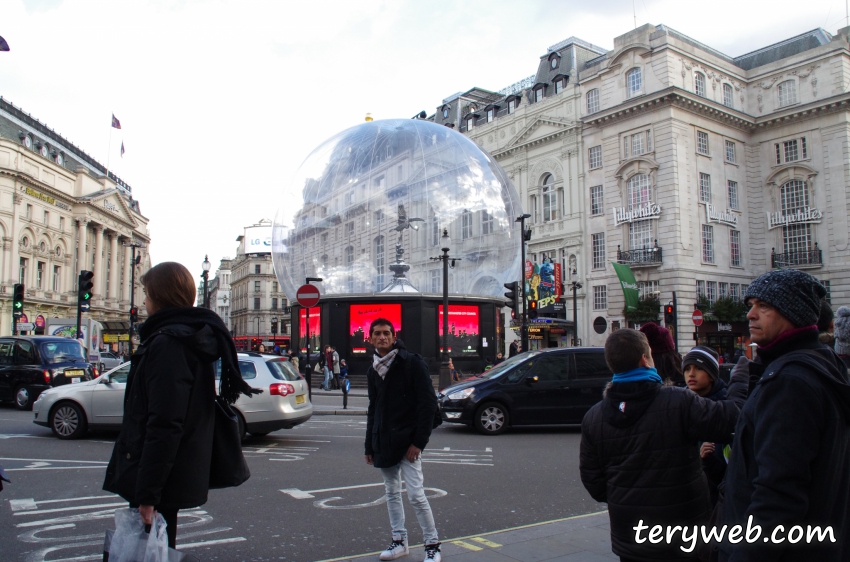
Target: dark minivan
[[546, 387], [29, 365]]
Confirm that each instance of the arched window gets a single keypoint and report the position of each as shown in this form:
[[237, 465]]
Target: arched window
[[699, 83], [634, 80], [639, 194], [550, 198], [787, 93], [728, 100], [796, 238], [379, 262], [592, 101], [349, 266]]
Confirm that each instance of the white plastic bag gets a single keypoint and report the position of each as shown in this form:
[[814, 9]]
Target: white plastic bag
[[130, 542]]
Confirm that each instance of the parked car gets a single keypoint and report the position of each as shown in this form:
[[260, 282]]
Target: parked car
[[29, 365], [99, 404], [110, 360], [546, 387]]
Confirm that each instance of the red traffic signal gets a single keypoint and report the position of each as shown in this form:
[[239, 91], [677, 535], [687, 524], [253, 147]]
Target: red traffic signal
[[669, 309], [134, 314]]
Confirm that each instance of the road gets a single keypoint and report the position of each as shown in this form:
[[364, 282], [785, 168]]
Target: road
[[311, 496]]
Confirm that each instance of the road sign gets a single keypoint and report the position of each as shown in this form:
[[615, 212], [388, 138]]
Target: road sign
[[25, 326], [697, 318], [308, 296]]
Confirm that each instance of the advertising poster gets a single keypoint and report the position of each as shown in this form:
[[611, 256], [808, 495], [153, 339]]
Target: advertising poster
[[361, 316], [545, 286], [463, 329], [315, 327]]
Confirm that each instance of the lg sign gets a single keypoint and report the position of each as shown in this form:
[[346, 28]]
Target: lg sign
[[258, 240]]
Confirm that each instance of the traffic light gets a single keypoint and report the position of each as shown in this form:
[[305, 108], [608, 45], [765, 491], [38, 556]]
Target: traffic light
[[532, 309], [85, 285], [512, 294], [18, 300], [134, 314], [274, 327], [669, 315]]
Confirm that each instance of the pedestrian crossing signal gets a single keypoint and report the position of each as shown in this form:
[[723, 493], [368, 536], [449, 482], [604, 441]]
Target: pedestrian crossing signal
[[532, 309], [669, 315]]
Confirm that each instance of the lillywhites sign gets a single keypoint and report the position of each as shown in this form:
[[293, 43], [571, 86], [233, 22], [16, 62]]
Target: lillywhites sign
[[725, 217], [648, 211], [41, 196], [805, 215]]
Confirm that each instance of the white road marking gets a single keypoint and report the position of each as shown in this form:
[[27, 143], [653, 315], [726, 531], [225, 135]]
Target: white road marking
[[23, 505], [305, 494], [30, 500], [51, 460], [54, 468], [435, 493], [209, 543], [105, 514], [72, 508]]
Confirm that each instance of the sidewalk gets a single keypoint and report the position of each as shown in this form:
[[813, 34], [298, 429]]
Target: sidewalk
[[583, 538], [355, 396]]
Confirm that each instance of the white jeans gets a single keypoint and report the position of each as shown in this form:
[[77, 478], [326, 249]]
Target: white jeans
[[415, 482]]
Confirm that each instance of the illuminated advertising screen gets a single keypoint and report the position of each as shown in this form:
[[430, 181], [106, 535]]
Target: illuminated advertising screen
[[463, 329], [315, 327], [361, 316]]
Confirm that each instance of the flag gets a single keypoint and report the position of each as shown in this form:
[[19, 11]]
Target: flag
[[122, 149], [627, 281], [116, 124]]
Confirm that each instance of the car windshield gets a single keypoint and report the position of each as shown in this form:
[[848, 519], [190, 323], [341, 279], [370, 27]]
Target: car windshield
[[507, 365], [62, 351], [119, 374], [282, 370]]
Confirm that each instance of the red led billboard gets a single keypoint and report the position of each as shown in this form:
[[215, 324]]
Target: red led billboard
[[315, 326], [361, 316], [463, 329]]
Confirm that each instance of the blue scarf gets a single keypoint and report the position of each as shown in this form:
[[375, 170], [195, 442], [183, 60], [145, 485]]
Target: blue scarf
[[639, 374]]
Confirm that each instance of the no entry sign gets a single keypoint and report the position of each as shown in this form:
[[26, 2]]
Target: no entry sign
[[697, 317], [308, 296]]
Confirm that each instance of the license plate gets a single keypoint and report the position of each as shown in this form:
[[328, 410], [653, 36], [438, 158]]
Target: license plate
[[301, 398], [75, 373], [75, 379]]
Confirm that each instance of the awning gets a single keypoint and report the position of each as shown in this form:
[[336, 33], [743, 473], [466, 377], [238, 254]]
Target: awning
[[116, 326]]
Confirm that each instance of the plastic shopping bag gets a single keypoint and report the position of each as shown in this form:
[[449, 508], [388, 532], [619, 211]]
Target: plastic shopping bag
[[130, 542]]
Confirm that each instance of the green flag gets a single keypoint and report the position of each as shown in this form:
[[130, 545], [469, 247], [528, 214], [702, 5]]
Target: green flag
[[629, 285]]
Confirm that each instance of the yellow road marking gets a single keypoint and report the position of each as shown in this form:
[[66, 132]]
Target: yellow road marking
[[467, 545], [485, 542]]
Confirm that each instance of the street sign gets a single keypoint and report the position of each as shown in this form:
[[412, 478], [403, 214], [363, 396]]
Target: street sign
[[697, 317], [308, 295], [25, 326]]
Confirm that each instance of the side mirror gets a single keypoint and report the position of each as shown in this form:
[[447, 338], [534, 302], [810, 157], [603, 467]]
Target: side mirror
[[104, 379], [532, 379]]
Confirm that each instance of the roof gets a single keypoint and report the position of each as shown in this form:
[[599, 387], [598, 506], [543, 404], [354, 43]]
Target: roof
[[784, 49]]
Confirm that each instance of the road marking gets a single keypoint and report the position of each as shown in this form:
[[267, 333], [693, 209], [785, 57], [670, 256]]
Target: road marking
[[208, 543], [72, 508], [485, 542], [467, 545], [105, 514], [51, 460], [33, 502], [54, 468], [23, 505], [307, 494]]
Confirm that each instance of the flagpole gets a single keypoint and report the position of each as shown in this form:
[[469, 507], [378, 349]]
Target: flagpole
[[109, 151]]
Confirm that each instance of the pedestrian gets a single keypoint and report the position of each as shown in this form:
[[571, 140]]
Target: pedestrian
[[790, 460], [344, 382], [293, 358], [261, 348], [513, 348], [162, 456], [667, 360], [402, 405], [326, 363], [640, 450], [453, 371], [335, 364], [842, 334], [499, 358]]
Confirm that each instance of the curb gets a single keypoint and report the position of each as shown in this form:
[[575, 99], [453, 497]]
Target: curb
[[339, 412]]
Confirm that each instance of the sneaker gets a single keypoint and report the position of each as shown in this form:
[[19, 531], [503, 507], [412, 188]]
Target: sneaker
[[432, 553], [397, 549]]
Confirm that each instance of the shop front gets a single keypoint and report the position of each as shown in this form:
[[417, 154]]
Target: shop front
[[729, 339]]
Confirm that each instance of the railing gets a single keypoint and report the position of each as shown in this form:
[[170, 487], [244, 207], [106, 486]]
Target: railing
[[800, 259], [641, 256]]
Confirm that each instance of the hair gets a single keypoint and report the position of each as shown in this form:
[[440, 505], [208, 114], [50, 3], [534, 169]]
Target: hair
[[381, 322], [624, 349], [170, 285], [825, 318]]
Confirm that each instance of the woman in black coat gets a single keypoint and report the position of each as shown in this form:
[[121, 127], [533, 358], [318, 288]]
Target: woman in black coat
[[165, 446]]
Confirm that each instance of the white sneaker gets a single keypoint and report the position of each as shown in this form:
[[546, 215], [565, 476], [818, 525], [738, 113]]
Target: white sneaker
[[397, 549], [432, 553]]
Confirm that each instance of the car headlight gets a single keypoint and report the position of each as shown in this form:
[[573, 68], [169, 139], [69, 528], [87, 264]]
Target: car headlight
[[41, 397], [462, 394]]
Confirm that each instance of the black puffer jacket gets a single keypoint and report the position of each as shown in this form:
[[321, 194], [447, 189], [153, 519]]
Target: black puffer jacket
[[401, 409], [640, 454], [162, 456], [790, 461]]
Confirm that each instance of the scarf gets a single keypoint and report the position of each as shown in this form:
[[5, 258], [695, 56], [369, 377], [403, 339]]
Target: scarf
[[382, 364], [639, 374]]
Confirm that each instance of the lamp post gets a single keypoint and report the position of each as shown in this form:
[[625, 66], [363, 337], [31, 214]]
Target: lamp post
[[134, 261], [445, 373], [525, 236], [575, 286], [206, 275], [258, 333], [308, 370]]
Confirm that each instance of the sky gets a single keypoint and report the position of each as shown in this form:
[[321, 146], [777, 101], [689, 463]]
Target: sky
[[221, 101]]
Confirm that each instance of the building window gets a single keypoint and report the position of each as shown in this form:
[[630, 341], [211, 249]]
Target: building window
[[490, 115], [22, 277], [791, 151], [707, 243], [256, 304], [730, 151], [349, 264], [640, 235], [598, 250], [648, 289], [274, 284], [470, 123], [702, 142], [787, 93], [257, 269], [560, 84], [634, 81], [735, 247], [700, 289], [592, 101], [349, 228], [62, 223], [732, 190], [639, 194], [57, 276], [466, 224], [600, 297], [39, 275], [256, 286], [274, 304], [486, 223], [794, 197], [727, 96], [595, 157], [512, 105], [29, 211], [596, 203], [553, 62], [550, 198], [538, 94], [711, 291], [699, 84], [435, 280], [379, 261], [704, 188], [637, 144], [826, 285], [734, 291]]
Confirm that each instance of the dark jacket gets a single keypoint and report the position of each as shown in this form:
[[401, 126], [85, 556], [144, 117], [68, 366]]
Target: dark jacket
[[790, 461], [714, 465], [162, 456], [640, 454], [401, 409]]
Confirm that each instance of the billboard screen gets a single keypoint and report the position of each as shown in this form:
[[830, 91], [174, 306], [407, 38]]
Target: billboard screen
[[361, 316], [258, 240], [463, 329], [315, 326]]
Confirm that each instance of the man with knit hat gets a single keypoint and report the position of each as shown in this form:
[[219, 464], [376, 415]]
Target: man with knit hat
[[790, 459]]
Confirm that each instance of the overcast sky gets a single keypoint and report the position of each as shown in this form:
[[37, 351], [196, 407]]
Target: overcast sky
[[220, 101]]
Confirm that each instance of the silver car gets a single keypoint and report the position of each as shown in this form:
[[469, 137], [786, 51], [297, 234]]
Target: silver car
[[71, 410]]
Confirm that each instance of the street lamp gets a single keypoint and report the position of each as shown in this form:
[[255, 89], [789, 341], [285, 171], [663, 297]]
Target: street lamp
[[525, 236], [134, 261], [258, 333], [575, 286], [445, 373], [206, 275]]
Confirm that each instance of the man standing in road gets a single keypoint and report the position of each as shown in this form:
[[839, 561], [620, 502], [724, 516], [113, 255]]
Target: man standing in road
[[790, 460], [402, 404], [335, 368], [326, 362]]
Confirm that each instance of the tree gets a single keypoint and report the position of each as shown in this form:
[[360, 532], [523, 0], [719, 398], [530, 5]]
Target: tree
[[648, 310]]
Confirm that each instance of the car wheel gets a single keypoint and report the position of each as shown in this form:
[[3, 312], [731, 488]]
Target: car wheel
[[68, 421], [259, 433], [241, 421], [491, 419], [23, 398]]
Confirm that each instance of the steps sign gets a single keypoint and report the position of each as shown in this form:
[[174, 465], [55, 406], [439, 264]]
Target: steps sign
[[697, 317], [308, 296]]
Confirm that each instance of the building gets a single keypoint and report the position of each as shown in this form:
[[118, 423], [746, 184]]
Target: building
[[59, 214], [220, 291]]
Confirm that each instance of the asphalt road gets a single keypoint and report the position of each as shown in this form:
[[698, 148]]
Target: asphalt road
[[311, 496]]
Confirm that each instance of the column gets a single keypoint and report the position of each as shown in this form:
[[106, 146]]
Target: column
[[114, 268], [14, 239], [97, 290], [82, 261], [128, 255]]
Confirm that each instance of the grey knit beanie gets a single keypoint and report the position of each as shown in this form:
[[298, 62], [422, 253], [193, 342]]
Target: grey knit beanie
[[842, 331], [704, 358], [795, 294]]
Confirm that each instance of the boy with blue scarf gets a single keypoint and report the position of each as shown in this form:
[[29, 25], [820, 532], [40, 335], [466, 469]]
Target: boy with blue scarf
[[640, 450]]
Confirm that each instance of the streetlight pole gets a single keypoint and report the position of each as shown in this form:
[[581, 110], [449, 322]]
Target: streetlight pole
[[575, 287], [134, 261], [445, 373], [525, 235], [308, 369], [206, 275], [258, 333]]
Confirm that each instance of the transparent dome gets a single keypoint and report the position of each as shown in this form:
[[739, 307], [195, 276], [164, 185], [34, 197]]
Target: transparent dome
[[368, 208]]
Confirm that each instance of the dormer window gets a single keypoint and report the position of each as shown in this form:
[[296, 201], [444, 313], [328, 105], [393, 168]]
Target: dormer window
[[43, 150], [445, 111], [59, 158], [560, 82], [491, 114], [513, 103], [554, 61], [539, 92]]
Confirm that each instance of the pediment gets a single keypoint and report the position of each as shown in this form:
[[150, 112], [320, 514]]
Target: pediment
[[110, 203], [793, 171], [641, 48], [636, 165], [540, 129]]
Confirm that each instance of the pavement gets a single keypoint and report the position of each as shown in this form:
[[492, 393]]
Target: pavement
[[329, 403], [583, 538]]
